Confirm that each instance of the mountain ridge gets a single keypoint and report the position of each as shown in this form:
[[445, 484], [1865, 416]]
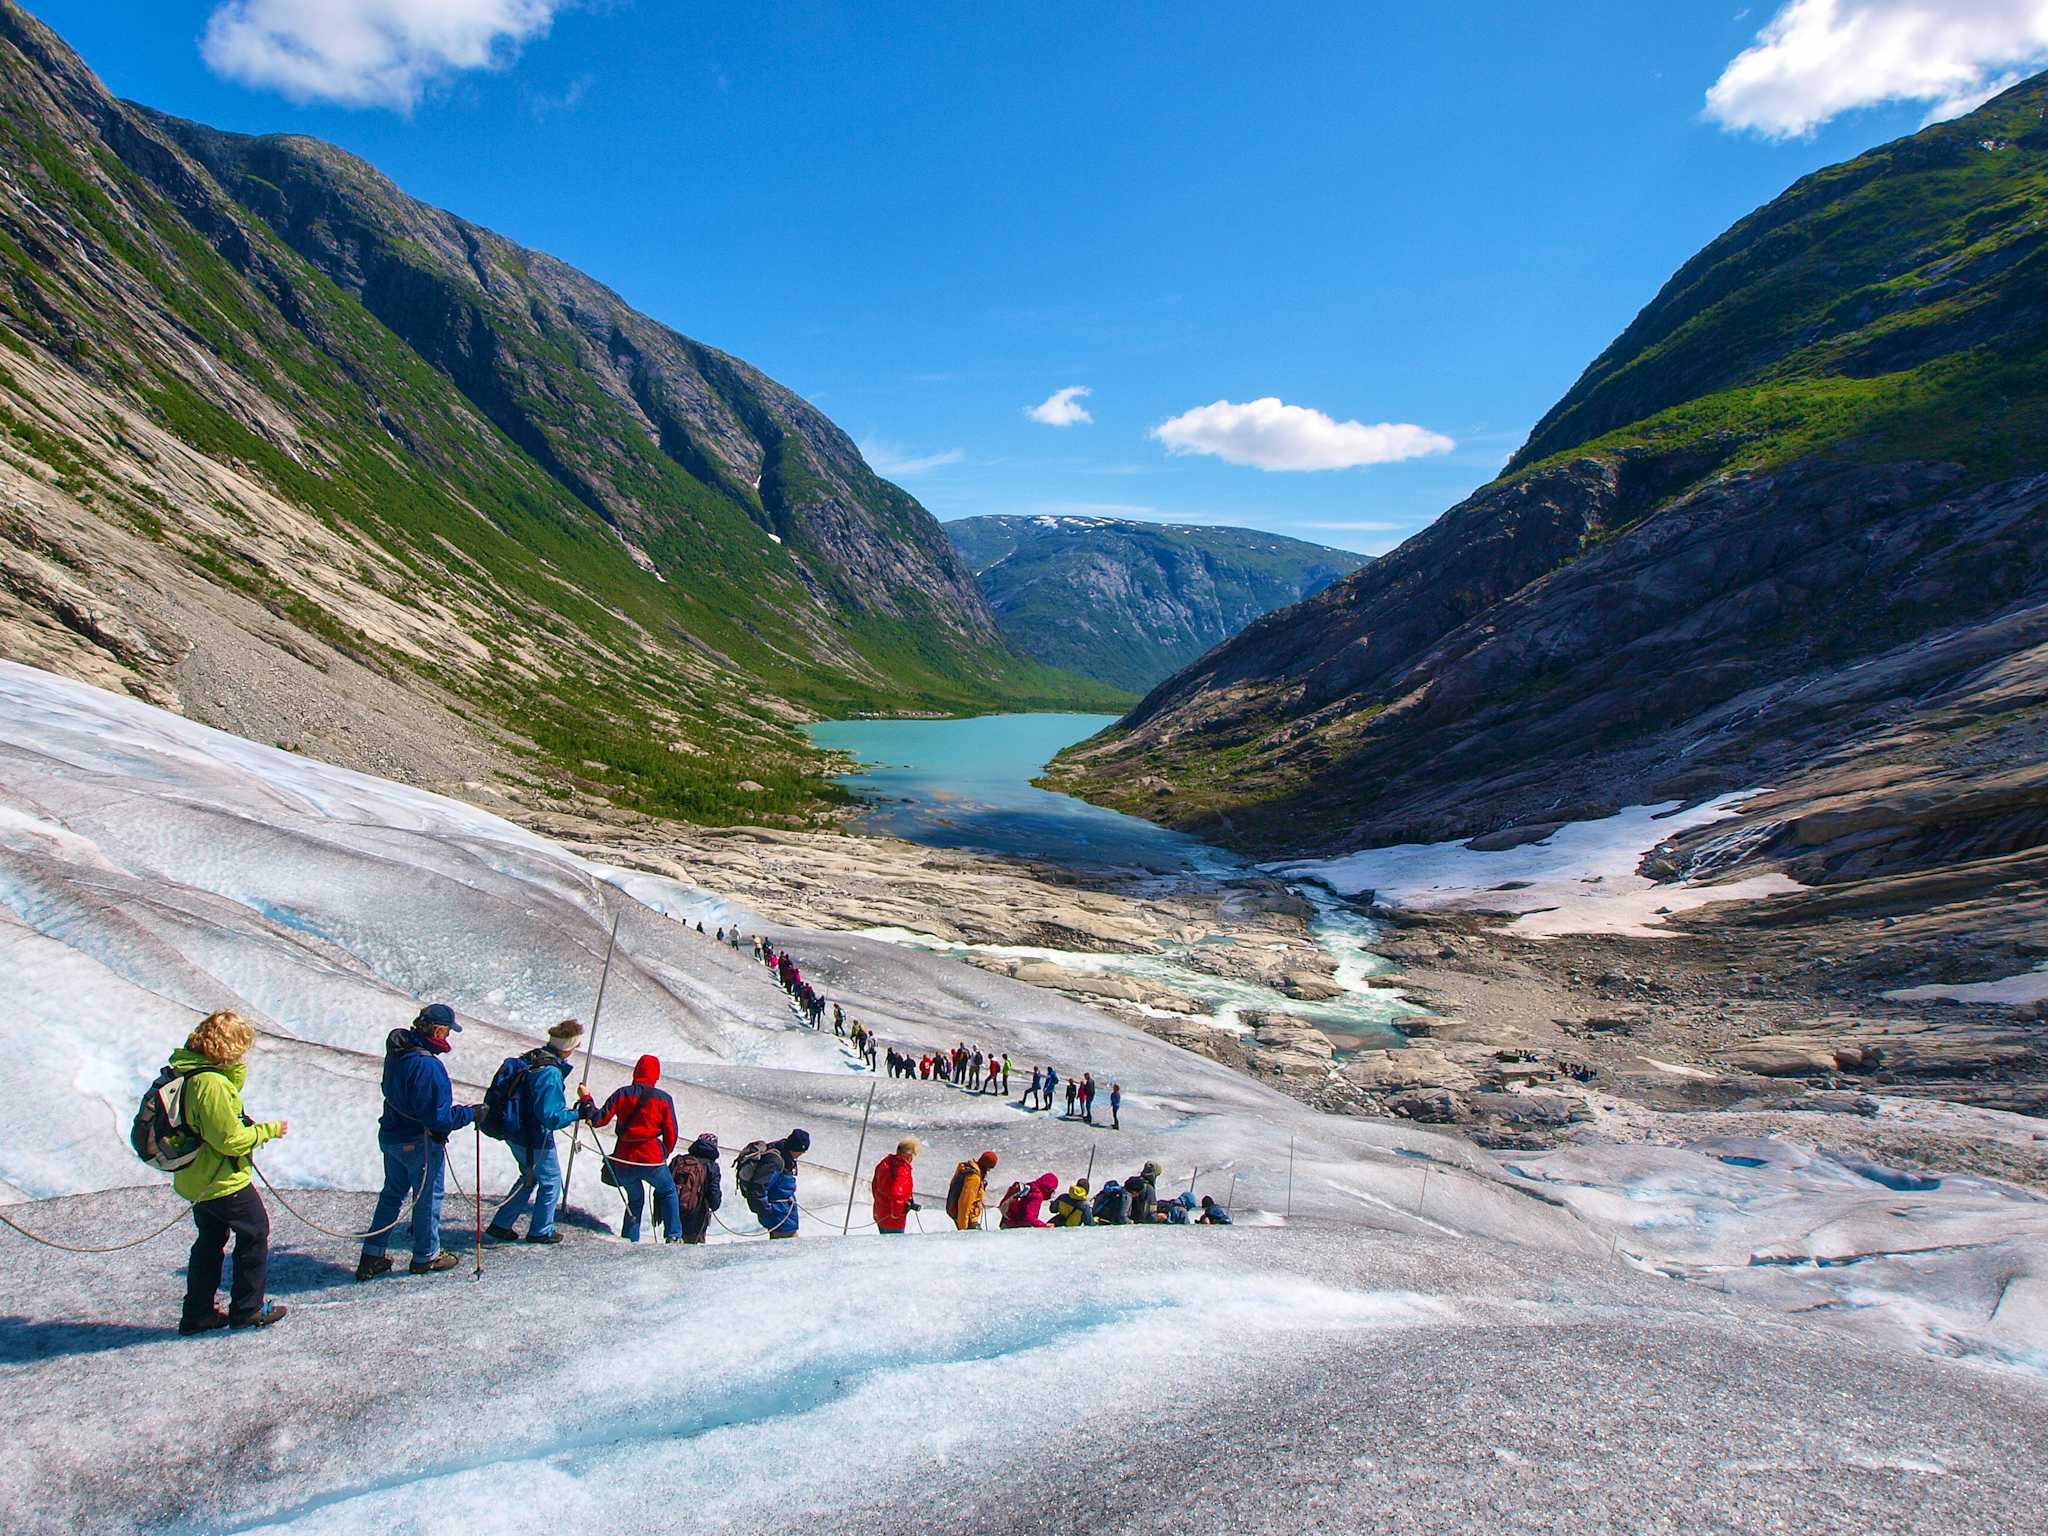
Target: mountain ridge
[[1128, 602], [489, 523]]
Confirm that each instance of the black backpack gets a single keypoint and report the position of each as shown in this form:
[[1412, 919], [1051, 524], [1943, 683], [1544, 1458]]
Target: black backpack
[[757, 1163], [162, 1136], [505, 1100]]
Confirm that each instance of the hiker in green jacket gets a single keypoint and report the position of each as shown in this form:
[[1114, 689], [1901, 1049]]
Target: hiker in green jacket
[[217, 1181]]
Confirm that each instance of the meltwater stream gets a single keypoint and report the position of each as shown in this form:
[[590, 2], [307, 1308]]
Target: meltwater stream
[[966, 784]]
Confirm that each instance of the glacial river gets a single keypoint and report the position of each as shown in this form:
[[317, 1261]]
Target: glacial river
[[966, 784]]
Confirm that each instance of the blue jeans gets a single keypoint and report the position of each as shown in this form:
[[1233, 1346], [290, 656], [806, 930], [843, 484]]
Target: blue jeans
[[540, 1180], [634, 1182], [403, 1161]]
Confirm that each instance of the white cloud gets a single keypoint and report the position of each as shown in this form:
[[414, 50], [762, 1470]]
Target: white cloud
[[1270, 435], [896, 463], [1062, 408], [366, 53], [1816, 59]]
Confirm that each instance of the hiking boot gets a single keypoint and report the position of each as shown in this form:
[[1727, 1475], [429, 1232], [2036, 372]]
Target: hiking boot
[[371, 1265], [212, 1320], [440, 1262], [548, 1239], [498, 1234], [271, 1313]]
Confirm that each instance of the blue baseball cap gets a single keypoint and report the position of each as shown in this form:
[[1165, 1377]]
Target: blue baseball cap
[[437, 1016]]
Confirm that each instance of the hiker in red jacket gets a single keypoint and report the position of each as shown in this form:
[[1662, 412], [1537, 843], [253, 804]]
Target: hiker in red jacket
[[1021, 1208], [646, 1116], [894, 1187]]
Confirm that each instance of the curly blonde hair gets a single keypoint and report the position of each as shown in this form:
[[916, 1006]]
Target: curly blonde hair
[[222, 1037]]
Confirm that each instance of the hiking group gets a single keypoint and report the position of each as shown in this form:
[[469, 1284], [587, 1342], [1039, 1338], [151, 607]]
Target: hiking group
[[191, 1124]]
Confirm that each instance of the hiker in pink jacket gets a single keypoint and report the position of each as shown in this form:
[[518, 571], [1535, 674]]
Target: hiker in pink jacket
[[1022, 1208]]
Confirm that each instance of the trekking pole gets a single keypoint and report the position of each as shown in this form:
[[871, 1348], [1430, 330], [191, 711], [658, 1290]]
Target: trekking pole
[[1290, 1177], [1191, 1180], [589, 1049], [1425, 1190], [1089, 1177], [478, 1273], [1230, 1199], [853, 1177]]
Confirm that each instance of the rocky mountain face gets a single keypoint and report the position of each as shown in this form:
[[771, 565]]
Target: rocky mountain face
[[1788, 530], [1129, 603], [289, 450]]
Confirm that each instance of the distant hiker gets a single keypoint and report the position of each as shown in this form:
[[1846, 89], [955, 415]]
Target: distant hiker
[[647, 1135], [1052, 1081], [1116, 1104], [412, 1134], [1031, 1093], [1213, 1214], [700, 925], [1088, 1097], [1178, 1209], [1071, 1209], [733, 938], [766, 1175], [1143, 1189], [838, 1020], [1022, 1203], [216, 1180], [698, 1191], [719, 937], [1070, 1098], [1112, 1206], [893, 1186], [527, 1103], [974, 1071], [964, 1196], [1006, 1074]]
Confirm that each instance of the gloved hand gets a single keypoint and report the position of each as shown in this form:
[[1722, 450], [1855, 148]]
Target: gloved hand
[[915, 1206]]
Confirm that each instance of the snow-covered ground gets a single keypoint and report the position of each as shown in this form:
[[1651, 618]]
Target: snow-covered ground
[[2021, 991], [1431, 1335], [1580, 879]]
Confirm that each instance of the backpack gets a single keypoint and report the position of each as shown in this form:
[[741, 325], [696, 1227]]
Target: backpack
[[1107, 1200], [690, 1177], [504, 1113], [161, 1136], [953, 1190], [753, 1168], [1008, 1204]]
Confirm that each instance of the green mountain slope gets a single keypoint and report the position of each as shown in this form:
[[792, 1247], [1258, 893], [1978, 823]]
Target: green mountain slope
[[247, 383], [1128, 603], [1797, 510]]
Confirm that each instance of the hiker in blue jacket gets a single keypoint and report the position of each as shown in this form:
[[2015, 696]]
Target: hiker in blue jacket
[[776, 1206], [541, 1109], [419, 1116], [1052, 1081]]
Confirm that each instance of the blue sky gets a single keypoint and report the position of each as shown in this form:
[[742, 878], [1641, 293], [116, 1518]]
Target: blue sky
[[931, 218]]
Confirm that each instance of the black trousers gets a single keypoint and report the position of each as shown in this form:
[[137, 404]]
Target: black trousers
[[242, 1214]]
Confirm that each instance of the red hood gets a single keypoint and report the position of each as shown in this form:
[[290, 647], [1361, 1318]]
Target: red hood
[[647, 1071], [1046, 1183]]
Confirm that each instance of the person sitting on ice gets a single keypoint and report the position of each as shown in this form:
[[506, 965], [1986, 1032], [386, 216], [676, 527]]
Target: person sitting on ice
[[1179, 1208], [535, 1108], [1142, 1188], [412, 1134], [1213, 1215], [1112, 1206], [1023, 1203], [1072, 1209], [894, 1186], [647, 1135], [217, 1180]]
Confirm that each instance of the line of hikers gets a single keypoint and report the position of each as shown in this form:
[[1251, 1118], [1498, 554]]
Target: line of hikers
[[191, 1123]]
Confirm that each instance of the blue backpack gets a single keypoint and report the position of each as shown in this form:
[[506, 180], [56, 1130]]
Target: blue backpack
[[505, 1101]]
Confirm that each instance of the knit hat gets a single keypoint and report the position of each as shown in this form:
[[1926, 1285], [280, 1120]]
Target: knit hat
[[1151, 1170], [798, 1142], [437, 1016], [565, 1036], [987, 1161]]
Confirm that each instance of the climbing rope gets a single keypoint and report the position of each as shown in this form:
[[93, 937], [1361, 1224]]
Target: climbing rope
[[50, 1242], [353, 1237]]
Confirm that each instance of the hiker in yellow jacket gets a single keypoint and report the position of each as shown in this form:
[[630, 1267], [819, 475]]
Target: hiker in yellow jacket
[[969, 1189], [217, 1181]]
